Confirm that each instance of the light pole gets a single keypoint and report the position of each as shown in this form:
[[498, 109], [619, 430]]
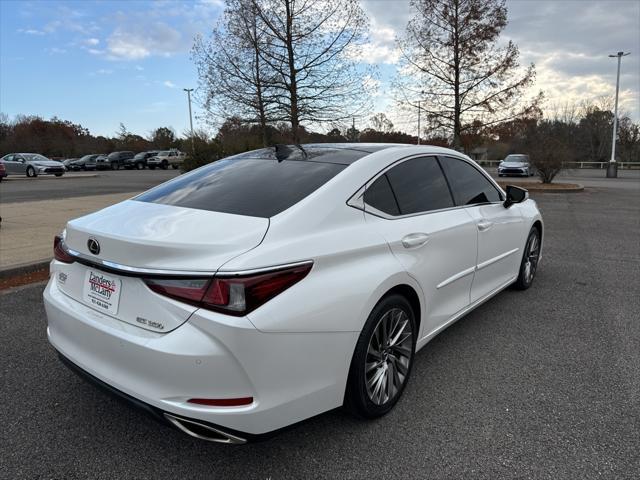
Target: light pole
[[612, 167], [189, 90]]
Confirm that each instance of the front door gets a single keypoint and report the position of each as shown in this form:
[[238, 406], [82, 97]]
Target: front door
[[499, 249], [412, 207]]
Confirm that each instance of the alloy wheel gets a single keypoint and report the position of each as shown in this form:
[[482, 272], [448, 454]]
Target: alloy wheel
[[531, 259], [389, 356]]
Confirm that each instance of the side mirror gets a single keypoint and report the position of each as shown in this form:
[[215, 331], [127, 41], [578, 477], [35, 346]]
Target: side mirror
[[515, 195]]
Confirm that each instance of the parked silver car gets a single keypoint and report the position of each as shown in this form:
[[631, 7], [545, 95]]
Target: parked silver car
[[516, 164], [31, 165]]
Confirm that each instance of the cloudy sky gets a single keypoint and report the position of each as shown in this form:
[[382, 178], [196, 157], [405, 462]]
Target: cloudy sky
[[105, 62]]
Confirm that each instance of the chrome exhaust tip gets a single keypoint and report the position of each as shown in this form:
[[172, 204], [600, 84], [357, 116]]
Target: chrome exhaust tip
[[202, 431]]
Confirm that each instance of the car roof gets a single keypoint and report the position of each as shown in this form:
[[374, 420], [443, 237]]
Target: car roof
[[337, 153]]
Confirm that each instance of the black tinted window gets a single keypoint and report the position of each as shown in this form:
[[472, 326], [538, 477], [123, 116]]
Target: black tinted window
[[257, 188], [380, 196], [419, 186], [468, 184]]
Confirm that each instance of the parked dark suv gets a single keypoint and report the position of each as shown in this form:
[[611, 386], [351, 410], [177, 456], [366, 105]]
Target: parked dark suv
[[117, 159], [140, 160]]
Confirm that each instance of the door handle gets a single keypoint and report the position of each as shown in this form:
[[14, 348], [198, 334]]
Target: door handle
[[414, 240], [484, 225]]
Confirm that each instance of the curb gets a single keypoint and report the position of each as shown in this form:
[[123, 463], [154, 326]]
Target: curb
[[23, 269], [539, 188], [49, 177]]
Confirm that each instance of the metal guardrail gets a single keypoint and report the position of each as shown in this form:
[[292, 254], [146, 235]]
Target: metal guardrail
[[596, 165]]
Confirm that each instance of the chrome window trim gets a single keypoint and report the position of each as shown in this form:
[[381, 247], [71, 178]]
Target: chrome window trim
[[357, 199], [128, 270]]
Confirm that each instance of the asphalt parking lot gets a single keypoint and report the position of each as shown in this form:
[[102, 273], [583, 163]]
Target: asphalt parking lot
[[81, 184], [537, 384]]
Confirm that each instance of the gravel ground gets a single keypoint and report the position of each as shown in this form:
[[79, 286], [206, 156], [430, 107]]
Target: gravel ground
[[537, 384]]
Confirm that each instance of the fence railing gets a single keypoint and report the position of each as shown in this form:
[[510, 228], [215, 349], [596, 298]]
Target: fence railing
[[570, 165]]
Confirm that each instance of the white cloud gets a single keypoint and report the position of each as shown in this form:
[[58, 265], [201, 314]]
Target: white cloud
[[92, 42], [101, 71], [31, 31], [169, 84], [138, 42], [381, 47], [55, 50]]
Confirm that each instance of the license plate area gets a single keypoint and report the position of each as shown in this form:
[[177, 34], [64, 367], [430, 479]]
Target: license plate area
[[102, 291]]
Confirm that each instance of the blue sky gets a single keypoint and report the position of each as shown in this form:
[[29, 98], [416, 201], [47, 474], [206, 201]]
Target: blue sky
[[99, 63]]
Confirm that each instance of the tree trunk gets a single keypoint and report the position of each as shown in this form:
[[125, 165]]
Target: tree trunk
[[457, 129], [261, 113], [293, 87]]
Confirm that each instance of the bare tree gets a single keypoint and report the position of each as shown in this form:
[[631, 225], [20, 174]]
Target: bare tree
[[381, 123], [454, 64], [235, 80], [311, 51]]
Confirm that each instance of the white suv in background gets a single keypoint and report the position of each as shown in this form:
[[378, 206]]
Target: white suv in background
[[175, 158]]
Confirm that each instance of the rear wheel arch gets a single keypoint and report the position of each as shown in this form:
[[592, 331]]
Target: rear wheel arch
[[408, 292]]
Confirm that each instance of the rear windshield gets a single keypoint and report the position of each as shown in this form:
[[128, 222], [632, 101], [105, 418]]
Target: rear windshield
[[252, 187]]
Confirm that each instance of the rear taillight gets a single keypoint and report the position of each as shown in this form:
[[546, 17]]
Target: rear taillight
[[60, 251], [187, 290], [233, 295]]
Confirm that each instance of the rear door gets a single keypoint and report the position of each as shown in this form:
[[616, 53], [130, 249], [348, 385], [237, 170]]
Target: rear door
[[499, 229], [435, 242]]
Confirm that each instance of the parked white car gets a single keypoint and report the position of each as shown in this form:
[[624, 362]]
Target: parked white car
[[516, 164], [266, 288], [173, 158]]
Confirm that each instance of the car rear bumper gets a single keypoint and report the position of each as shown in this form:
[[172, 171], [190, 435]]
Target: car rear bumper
[[195, 428], [290, 376]]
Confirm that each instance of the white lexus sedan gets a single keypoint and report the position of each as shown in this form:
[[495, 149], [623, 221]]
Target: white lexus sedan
[[268, 287]]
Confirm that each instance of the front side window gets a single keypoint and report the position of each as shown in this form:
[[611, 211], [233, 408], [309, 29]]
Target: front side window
[[469, 186]]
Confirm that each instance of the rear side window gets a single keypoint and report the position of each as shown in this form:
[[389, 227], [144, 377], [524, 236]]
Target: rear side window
[[256, 188], [419, 186], [469, 186], [380, 196]]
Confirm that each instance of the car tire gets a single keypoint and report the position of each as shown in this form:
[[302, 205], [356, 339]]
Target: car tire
[[175, 167], [58, 174], [365, 396], [31, 172], [529, 263], [115, 166], [164, 165], [139, 166]]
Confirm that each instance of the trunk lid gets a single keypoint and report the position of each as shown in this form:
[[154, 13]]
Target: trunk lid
[[150, 236], [158, 236]]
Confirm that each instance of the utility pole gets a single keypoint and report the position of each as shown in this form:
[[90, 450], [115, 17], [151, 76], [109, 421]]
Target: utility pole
[[189, 90], [612, 167], [418, 122]]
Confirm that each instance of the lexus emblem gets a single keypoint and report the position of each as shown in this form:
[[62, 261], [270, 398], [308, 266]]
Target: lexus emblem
[[93, 246]]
